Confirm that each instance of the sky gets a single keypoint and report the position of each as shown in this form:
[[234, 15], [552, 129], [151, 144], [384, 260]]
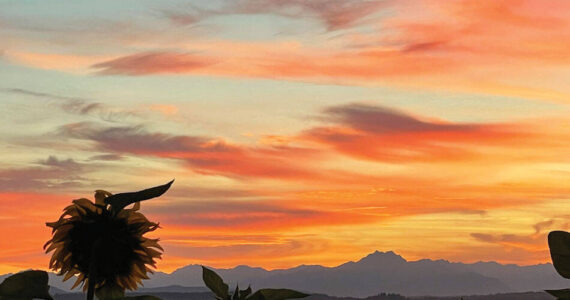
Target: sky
[[298, 132]]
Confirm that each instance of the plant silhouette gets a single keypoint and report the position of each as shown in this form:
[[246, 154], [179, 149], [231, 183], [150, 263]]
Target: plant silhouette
[[559, 244], [217, 285], [25, 285], [103, 243]]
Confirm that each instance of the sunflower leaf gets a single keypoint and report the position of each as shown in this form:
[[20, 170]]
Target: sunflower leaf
[[215, 283], [143, 297], [560, 294], [559, 244], [236, 293], [276, 294], [121, 200], [26, 285], [244, 293]]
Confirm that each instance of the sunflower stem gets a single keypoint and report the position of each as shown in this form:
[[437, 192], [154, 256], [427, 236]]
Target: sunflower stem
[[92, 277], [92, 281]]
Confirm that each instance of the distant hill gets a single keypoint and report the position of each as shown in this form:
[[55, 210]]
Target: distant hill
[[174, 289], [56, 291], [379, 272], [385, 272], [161, 295], [508, 296], [209, 296]]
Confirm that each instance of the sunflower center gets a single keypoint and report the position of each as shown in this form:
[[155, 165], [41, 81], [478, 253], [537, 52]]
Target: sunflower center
[[105, 240]]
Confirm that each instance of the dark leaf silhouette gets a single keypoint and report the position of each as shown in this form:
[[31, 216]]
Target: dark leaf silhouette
[[215, 283], [122, 200], [244, 293], [560, 294], [559, 244], [236, 293], [26, 285], [144, 297], [276, 294]]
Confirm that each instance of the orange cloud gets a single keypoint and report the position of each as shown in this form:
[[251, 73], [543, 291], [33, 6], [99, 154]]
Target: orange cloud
[[165, 109], [383, 134], [206, 155], [335, 14], [54, 61], [153, 63], [492, 47]]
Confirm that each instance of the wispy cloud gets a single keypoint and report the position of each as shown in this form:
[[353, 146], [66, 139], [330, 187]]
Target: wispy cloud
[[204, 154], [459, 45], [63, 164], [383, 134], [383, 120], [533, 241], [51, 174], [154, 63], [335, 14], [106, 157], [77, 105]]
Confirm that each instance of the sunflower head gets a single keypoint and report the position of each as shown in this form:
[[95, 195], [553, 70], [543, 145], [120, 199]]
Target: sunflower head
[[103, 242]]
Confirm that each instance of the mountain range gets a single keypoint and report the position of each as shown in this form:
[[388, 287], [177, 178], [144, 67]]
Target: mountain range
[[378, 272]]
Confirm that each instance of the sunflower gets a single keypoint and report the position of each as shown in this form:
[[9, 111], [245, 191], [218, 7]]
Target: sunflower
[[103, 243]]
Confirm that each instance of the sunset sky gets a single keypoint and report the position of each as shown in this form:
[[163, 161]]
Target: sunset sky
[[299, 132]]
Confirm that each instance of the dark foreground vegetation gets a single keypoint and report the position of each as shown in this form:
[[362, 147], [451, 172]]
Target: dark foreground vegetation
[[511, 296], [210, 296]]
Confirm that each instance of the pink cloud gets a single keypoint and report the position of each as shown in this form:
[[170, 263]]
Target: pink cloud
[[153, 63], [383, 134], [204, 155], [490, 47], [334, 14]]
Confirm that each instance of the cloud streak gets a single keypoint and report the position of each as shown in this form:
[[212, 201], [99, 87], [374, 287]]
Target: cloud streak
[[78, 106], [205, 155], [334, 15], [52, 174], [382, 134], [530, 242], [458, 45], [154, 63]]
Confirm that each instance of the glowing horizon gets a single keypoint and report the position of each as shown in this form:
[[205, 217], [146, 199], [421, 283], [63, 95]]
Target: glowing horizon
[[299, 132]]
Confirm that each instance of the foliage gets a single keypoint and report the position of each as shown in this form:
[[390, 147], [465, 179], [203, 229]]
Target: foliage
[[102, 244], [560, 294], [26, 285], [145, 297], [216, 284], [559, 244]]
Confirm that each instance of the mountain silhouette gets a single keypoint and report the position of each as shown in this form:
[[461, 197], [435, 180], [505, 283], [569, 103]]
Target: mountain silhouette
[[376, 273]]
